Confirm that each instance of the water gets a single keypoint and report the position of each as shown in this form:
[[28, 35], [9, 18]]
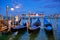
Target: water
[[41, 35]]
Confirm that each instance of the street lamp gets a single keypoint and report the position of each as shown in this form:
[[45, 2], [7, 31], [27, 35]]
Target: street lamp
[[12, 17], [17, 6]]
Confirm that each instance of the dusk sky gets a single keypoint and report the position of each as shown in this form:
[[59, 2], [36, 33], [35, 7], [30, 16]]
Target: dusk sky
[[35, 6]]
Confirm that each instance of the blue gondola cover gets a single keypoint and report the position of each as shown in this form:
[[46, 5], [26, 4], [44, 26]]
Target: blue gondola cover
[[46, 21], [48, 28]]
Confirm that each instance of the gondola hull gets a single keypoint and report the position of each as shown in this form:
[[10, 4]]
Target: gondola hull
[[33, 30], [19, 29], [48, 30], [14, 30], [37, 24]]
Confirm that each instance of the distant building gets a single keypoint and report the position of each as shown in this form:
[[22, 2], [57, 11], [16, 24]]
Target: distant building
[[1, 17]]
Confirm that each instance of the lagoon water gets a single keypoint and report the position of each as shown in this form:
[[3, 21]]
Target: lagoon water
[[41, 35]]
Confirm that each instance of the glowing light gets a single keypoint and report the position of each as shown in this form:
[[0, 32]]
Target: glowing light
[[12, 9], [37, 15], [16, 18]]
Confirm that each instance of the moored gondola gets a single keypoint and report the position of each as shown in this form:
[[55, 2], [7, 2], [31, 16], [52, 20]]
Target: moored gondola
[[37, 23], [17, 25], [32, 28], [18, 28], [48, 27]]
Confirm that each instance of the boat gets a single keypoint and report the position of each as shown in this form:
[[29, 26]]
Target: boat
[[32, 28], [37, 23], [14, 28], [18, 28], [48, 27], [48, 30]]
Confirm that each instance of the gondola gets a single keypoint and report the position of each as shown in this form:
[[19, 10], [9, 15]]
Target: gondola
[[48, 27], [48, 30], [33, 28], [18, 28], [37, 23]]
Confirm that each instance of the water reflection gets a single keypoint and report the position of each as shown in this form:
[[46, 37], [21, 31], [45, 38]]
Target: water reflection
[[17, 35], [49, 35], [4, 37], [33, 35]]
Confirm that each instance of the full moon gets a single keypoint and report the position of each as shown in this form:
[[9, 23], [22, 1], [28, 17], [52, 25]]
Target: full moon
[[12, 9]]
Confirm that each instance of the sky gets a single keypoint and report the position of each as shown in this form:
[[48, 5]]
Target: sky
[[46, 7]]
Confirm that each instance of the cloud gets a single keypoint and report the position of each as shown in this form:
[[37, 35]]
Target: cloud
[[19, 5]]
